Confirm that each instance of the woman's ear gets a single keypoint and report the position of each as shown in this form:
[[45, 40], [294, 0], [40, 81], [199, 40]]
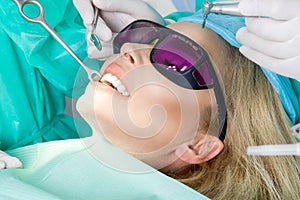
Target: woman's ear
[[203, 149]]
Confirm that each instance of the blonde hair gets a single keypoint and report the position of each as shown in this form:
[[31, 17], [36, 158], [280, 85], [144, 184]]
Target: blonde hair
[[255, 117]]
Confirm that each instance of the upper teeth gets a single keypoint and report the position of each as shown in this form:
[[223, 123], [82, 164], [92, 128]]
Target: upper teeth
[[115, 82]]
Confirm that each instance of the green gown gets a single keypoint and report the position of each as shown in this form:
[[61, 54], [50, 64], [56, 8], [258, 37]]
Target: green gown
[[37, 74]]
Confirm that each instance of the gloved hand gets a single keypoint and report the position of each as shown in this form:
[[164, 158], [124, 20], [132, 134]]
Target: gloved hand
[[273, 41], [115, 15], [7, 161]]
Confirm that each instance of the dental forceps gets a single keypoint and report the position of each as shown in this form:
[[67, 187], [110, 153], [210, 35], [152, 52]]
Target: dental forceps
[[220, 7], [40, 19]]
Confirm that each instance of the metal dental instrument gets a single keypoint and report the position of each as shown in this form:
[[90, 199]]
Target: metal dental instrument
[[220, 7], [94, 37], [41, 20]]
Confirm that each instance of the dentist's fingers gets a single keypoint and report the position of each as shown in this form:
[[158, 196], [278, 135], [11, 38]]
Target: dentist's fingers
[[93, 52], [132, 7], [114, 16], [13, 162], [7, 161], [273, 29], [122, 20], [85, 10], [103, 31], [107, 51], [2, 164], [281, 50], [126, 11], [277, 9], [285, 67]]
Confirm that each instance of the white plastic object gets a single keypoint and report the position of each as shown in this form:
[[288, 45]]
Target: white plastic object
[[275, 150]]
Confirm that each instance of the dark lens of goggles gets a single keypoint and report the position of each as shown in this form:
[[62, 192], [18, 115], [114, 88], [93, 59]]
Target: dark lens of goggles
[[172, 50], [142, 32], [182, 58]]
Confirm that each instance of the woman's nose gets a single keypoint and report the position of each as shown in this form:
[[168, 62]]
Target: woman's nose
[[136, 54]]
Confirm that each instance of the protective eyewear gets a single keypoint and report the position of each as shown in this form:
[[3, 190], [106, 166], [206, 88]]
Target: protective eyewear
[[178, 58]]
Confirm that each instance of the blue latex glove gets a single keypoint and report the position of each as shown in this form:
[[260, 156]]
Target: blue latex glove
[[115, 15], [272, 41]]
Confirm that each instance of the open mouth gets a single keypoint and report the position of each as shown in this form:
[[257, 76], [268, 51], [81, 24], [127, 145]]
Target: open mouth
[[114, 82]]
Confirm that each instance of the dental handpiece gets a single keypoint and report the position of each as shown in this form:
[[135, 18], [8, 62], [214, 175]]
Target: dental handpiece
[[220, 7]]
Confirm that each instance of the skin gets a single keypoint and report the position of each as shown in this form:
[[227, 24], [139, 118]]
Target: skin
[[160, 123]]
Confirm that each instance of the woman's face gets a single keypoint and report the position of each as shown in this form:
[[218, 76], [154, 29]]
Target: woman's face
[[139, 110]]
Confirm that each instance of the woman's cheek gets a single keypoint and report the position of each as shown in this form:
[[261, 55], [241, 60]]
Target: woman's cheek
[[147, 121], [152, 102]]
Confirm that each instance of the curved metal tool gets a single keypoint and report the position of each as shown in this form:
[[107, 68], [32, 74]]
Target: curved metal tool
[[94, 39], [41, 20]]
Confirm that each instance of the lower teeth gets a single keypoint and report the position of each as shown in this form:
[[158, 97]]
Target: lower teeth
[[107, 83], [111, 85]]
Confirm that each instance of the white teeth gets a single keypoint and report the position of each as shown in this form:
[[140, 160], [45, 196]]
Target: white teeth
[[115, 82]]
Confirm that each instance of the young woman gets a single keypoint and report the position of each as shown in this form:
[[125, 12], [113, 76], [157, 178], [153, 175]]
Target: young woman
[[166, 97]]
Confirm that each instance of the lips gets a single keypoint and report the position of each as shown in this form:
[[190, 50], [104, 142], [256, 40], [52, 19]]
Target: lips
[[111, 77]]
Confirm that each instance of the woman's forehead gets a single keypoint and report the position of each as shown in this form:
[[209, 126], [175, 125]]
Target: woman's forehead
[[204, 36], [215, 46]]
